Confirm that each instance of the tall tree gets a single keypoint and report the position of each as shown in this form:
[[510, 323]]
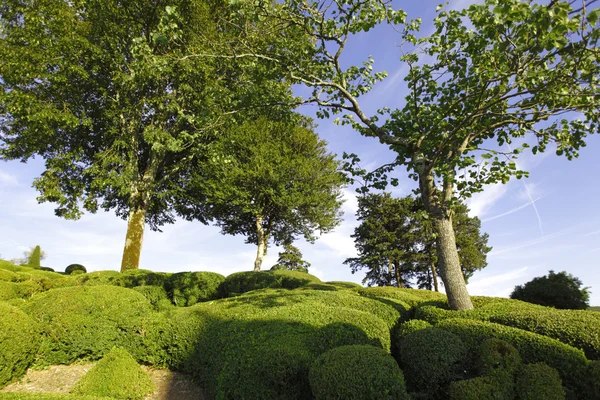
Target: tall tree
[[270, 181], [396, 244], [506, 72], [114, 97], [559, 290], [291, 259]]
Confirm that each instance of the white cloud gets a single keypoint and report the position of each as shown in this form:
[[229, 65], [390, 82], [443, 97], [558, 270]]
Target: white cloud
[[498, 284], [512, 210], [482, 202], [7, 179]]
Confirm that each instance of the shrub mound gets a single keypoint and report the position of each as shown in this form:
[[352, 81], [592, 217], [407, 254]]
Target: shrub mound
[[242, 282], [358, 372], [430, 358], [116, 375], [496, 355], [46, 396], [409, 327], [570, 362], [75, 267], [19, 342], [539, 381], [480, 388], [573, 327], [85, 322], [156, 295], [592, 380], [188, 288], [344, 285]]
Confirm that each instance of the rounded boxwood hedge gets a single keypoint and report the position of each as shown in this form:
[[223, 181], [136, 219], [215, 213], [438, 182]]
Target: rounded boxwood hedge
[[116, 375], [188, 288], [19, 342], [481, 388], [592, 380], [75, 267], [46, 396], [156, 295], [570, 362], [242, 282], [539, 381], [84, 322], [495, 354], [409, 327], [430, 358], [358, 372]]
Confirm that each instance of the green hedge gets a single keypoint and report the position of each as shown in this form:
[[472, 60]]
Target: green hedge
[[570, 362], [481, 388], [573, 327], [539, 381], [345, 285], [46, 396], [357, 372], [494, 355], [412, 297], [406, 328], [156, 295], [242, 282], [19, 342], [592, 380], [262, 344], [85, 322], [74, 267], [188, 288], [430, 358], [116, 375]]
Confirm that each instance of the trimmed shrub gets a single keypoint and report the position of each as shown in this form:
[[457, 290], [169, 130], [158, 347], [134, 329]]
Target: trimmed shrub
[[46, 396], [480, 388], [345, 285], [19, 342], [494, 355], [85, 322], [409, 327], [539, 381], [156, 295], [14, 290], [357, 372], [75, 267], [261, 345], [412, 297], [34, 258], [78, 272], [431, 358], [8, 276], [47, 269], [188, 288], [592, 381], [242, 282], [143, 277], [7, 265], [116, 375], [570, 362], [112, 278]]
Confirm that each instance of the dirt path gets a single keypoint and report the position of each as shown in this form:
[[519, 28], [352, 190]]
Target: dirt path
[[61, 378]]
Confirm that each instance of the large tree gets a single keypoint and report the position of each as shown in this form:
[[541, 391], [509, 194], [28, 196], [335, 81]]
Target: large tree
[[396, 244], [114, 97], [270, 181], [559, 290], [505, 72]]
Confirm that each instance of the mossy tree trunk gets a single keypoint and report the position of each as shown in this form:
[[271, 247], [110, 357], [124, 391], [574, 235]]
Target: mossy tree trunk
[[261, 238]]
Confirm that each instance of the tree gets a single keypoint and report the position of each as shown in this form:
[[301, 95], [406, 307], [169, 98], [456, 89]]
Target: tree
[[270, 181], [395, 242], [506, 72], [35, 257], [115, 98], [291, 259], [559, 290]]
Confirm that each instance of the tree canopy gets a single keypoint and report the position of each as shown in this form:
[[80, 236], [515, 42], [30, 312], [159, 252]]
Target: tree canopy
[[269, 181], [396, 243], [119, 100], [291, 259], [498, 74], [559, 290]]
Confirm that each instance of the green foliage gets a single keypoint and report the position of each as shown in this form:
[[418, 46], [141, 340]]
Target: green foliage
[[75, 267], [242, 282], [46, 396], [559, 290], [156, 295], [592, 380], [412, 297], [409, 327], [345, 285], [188, 288], [395, 242], [356, 372], [430, 358], [19, 342], [570, 362], [85, 322], [8, 266], [116, 375], [576, 328], [35, 258], [539, 381], [496, 355], [291, 259], [480, 388]]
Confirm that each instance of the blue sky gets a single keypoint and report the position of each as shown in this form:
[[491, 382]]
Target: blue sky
[[549, 221]]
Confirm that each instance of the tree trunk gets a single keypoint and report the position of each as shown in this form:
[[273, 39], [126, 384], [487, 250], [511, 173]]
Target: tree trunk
[[437, 206], [262, 245], [399, 282], [134, 238], [434, 277]]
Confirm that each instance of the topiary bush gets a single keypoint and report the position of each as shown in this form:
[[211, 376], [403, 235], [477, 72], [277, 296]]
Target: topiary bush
[[116, 375], [345, 285], [188, 288], [143, 277], [409, 327], [75, 267], [571, 363], [358, 372], [85, 322], [592, 381], [242, 282], [539, 381], [46, 396], [19, 342], [480, 388], [494, 355], [96, 278], [431, 358], [156, 295]]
